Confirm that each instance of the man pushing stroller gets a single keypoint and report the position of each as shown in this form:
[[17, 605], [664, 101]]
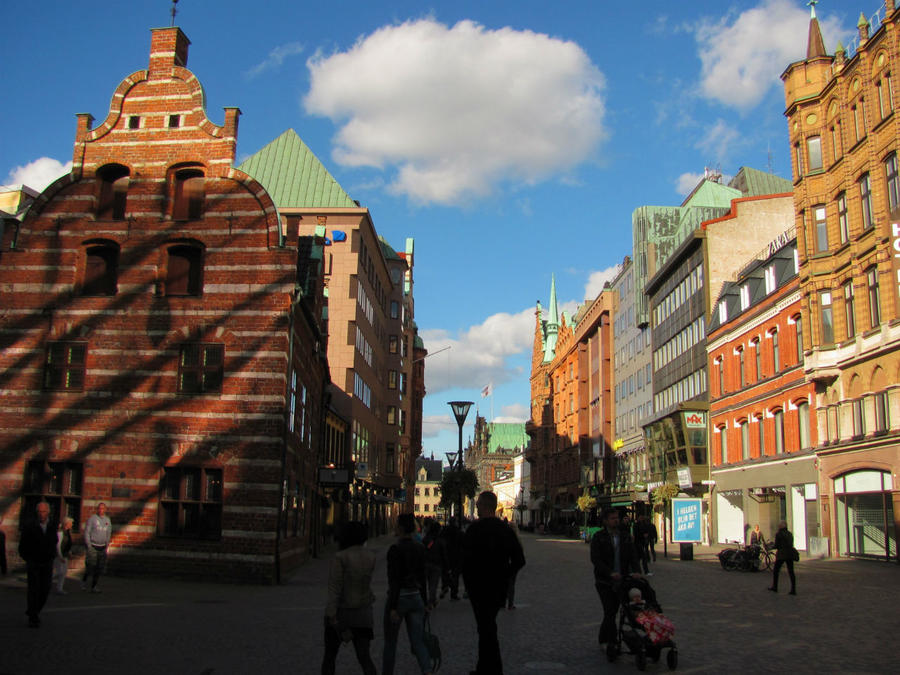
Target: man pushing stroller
[[613, 557]]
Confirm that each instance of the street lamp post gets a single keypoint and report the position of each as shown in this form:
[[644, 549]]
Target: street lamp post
[[460, 410]]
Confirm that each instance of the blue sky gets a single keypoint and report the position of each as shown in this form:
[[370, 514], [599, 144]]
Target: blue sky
[[512, 140]]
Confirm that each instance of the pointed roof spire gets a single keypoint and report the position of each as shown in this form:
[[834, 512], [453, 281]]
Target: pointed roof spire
[[816, 45], [552, 326]]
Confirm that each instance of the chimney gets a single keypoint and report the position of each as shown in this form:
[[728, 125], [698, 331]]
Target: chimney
[[168, 47]]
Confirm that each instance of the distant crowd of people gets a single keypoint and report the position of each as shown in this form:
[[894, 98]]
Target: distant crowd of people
[[487, 555]]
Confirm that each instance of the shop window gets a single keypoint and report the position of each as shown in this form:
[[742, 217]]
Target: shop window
[[64, 369], [101, 269], [57, 483], [191, 503], [188, 194], [201, 368], [113, 191], [184, 270]]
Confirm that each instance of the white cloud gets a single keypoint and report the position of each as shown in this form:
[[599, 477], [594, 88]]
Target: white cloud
[[480, 354], [39, 173], [718, 140], [687, 182], [597, 280], [275, 58], [456, 112], [743, 56], [516, 412]]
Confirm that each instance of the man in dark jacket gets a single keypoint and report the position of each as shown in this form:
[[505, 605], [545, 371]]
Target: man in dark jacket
[[491, 555], [37, 546], [612, 554]]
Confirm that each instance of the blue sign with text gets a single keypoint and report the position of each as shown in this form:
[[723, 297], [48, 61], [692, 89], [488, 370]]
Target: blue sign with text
[[686, 520]]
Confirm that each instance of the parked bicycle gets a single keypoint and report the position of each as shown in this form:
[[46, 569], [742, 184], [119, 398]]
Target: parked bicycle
[[745, 558]]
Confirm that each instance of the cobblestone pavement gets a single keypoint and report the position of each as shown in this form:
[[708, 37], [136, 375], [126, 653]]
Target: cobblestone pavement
[[844, 619]]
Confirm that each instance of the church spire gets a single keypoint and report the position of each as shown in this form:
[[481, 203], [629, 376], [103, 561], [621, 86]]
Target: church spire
[[552, 326], [816, 45]]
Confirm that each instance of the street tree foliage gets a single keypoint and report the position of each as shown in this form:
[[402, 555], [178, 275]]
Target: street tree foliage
[[456, 484], [585, 504], [663, 494]]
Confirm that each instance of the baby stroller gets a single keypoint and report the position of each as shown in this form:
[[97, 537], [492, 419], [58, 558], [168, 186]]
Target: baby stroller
[[642, 628]]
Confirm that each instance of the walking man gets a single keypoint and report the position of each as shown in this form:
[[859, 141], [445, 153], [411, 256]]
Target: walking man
[[785, 554], [612, 554], [492, 555], [97, 534], [37, 547]]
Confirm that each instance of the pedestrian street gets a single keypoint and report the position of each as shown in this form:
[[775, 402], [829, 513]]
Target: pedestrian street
[[843, 619]]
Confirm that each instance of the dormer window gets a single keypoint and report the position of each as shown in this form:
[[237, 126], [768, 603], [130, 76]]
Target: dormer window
[[745, 297], [771, 284], [113, 191]]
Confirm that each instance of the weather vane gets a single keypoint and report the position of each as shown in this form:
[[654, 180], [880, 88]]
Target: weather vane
[[174, 10]]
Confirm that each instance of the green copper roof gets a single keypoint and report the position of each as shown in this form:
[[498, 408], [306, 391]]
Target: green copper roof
[[294, 176], [506, 435], [387, 250], [754, 183], [712, 194]]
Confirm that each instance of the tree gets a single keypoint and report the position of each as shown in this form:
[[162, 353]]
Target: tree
[[586, 503], [456, 486]]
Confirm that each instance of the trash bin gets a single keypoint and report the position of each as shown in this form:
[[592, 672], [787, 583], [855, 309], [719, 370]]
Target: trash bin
[[687, 551]]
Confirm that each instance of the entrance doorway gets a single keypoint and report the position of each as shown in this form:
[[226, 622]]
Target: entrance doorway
[[865, 515]]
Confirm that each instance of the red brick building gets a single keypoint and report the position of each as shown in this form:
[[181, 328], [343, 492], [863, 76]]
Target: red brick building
[[761, 404], [162, 343]]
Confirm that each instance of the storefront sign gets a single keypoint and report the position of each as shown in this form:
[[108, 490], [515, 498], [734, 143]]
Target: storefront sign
[[695, 420], [686, 517], [684, 478]]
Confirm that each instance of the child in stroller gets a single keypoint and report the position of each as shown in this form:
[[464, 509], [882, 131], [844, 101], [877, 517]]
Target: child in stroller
[[644, 629]]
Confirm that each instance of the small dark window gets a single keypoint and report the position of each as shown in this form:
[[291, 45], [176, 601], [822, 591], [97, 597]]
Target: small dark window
[[58, 484], [114, 179], [184, 270], [191, 503], [174, 121], [134, 122], [189, 195], [65, 366], [101, 270], [201, 368]]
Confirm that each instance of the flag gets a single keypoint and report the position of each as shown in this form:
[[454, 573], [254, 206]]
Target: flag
[[487, 390]]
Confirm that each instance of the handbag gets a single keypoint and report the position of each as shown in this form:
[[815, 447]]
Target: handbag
[[795, 554], [433, 645]]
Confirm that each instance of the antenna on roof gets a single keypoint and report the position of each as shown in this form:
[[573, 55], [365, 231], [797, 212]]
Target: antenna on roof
[[174, 10]]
